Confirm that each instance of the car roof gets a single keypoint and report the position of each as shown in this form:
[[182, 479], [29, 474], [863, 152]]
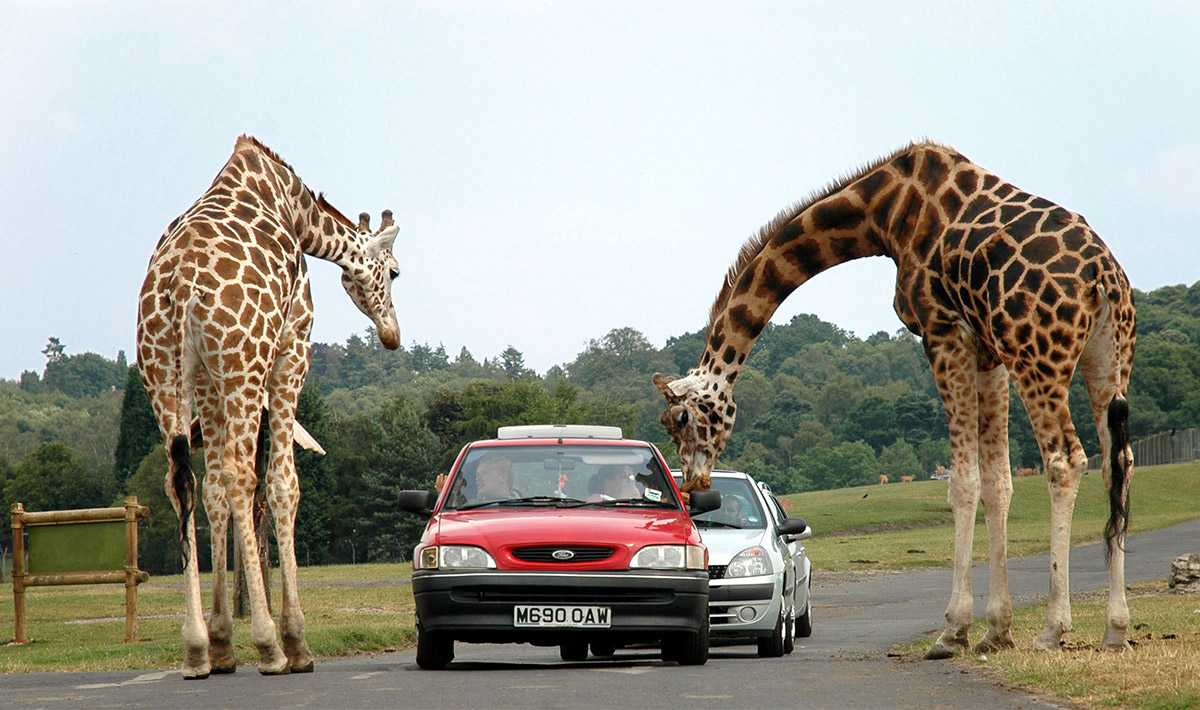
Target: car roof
[[556, 441]]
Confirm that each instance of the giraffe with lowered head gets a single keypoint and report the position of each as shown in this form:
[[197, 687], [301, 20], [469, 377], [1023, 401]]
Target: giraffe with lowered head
[[224, 318], [999, 284]]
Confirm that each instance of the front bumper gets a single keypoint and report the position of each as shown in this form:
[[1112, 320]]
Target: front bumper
[[728, 597], [478, 605]]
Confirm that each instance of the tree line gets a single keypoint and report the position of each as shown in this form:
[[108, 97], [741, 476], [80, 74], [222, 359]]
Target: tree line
[[818, 408]]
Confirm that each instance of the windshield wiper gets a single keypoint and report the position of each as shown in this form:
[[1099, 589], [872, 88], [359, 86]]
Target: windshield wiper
[[715, 523], [528, 500], [627, 501]]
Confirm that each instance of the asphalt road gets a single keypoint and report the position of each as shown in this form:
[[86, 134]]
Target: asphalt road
[[844, 664]]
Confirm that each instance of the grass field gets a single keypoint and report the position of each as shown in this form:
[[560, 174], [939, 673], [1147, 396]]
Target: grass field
[[906, 525], [348, 608], [1162, 671]]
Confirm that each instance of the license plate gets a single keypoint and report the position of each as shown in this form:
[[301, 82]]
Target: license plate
[[576, 617]]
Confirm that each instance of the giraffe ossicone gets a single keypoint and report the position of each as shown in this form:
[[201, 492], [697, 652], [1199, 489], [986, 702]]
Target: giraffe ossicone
[[1000, 285], [224, 317]]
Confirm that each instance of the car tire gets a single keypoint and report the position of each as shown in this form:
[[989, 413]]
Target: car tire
[[772, 646], [789, 635], [434, 650], [804, 622], [573, 651], [603, 649], [688, 648]]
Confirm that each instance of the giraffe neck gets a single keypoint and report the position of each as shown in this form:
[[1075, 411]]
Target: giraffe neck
[[880, 212], [330, 236], [259, 179]]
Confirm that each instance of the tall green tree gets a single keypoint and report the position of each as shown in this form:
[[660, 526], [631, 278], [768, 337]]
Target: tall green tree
[[138, 432]]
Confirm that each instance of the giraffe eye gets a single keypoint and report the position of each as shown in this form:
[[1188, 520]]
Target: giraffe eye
[[681, 418], [393, 273]]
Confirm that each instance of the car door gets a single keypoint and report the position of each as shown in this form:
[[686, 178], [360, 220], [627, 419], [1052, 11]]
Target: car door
[[777, 517], [795, 552]]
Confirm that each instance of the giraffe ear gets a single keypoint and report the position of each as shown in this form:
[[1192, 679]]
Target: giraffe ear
[[663, 382], [381, 243], [673, 388]]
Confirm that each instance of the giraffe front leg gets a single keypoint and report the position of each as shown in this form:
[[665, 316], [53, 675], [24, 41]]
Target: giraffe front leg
[[285, 497], [272, 660], [997, 493], [953, 361]]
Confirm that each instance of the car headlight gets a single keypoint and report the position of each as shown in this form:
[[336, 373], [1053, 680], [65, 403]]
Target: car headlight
[[750, 562], [454, 557], [694, 557]]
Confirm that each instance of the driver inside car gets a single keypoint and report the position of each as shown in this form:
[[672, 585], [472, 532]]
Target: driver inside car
[[493, 479]]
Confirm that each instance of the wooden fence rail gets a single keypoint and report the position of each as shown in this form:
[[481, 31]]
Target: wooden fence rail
[[1175, 446]]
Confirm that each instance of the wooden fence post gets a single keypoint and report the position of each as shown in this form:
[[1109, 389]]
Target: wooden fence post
[[131, 568], [18, 573]]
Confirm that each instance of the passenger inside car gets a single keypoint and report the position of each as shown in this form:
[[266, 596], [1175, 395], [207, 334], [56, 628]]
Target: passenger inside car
[[615, 482]]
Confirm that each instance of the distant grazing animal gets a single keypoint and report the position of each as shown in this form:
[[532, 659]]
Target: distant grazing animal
[[223, 323], [906, 479], [883, 478], [1022, 472], [998, 283]]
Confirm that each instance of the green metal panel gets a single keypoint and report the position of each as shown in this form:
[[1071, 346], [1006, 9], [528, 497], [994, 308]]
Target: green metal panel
[[77, 547]]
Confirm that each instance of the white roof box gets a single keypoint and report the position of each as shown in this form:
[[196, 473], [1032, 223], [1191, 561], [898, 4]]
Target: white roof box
[[559, 431]]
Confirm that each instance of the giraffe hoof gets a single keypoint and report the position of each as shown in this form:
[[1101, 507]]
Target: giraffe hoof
[[303, 666], [990, 644], [280, 667], [1047, 643], [940, 650], [198, 673], [1115, 641], [224, 669]]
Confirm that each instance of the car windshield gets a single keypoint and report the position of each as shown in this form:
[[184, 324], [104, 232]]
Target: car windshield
[[739, 507], [560, 476]]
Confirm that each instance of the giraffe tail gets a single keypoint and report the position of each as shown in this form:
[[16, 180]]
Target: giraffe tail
[[1121, 467], [184, 483]]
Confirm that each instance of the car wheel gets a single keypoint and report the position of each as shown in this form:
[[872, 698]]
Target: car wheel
[[772, 646], [804, 622], [434, 650], [573, 651], [789, 635], [688, 648], [603, 649]]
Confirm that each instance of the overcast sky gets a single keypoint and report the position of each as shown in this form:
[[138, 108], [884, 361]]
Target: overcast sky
[[562, 169]]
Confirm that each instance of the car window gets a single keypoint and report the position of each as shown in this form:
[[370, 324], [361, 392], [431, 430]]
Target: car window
[[583, 473], [739, 507]]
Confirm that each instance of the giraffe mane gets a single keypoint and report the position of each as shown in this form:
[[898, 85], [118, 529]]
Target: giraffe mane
[[334, 212], [756, 243], [319, 198]]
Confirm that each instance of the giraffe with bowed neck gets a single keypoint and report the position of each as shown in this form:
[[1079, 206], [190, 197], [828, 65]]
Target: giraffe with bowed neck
[[1000, 285], [224, 317]]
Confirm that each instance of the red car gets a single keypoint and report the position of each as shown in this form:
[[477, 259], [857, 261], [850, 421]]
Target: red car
[[563, 536]]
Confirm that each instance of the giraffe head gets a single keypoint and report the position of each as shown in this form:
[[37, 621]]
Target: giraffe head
[[699, 417], [369, 280]]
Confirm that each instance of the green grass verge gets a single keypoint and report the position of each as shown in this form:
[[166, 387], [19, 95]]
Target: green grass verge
[[1162, 671], [348, 609], [907, 525]]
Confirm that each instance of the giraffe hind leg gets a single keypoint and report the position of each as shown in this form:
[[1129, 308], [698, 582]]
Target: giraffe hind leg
[[1101, 366]]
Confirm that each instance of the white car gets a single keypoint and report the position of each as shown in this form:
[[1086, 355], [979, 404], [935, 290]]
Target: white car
[[759, 572]]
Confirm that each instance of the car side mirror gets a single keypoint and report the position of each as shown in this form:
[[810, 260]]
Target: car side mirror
[[797, 527], [703, 501], [419, 502]]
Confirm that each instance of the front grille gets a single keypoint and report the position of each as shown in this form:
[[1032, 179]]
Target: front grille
[[519, 594], [546, 554], [716, 571]]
